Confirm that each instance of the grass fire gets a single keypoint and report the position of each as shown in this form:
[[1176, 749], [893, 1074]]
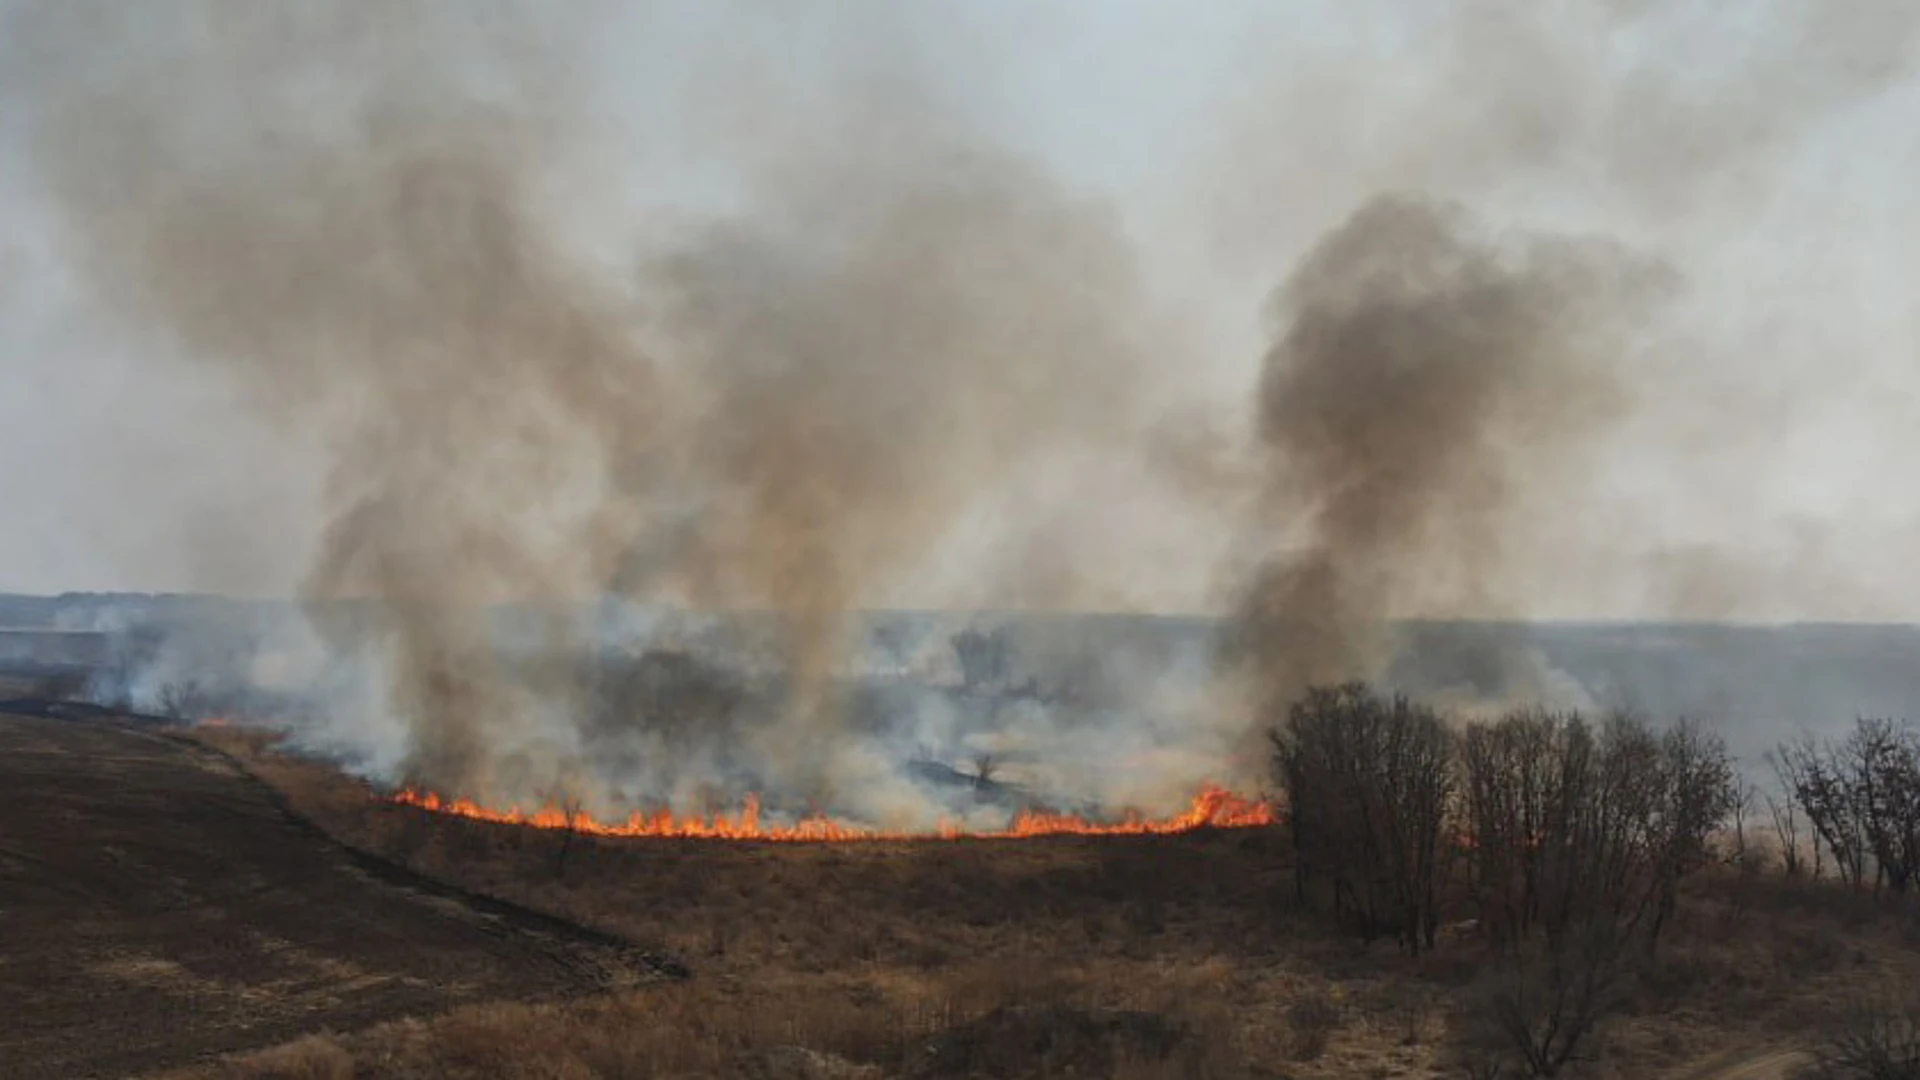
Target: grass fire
[[959, 540], [1213, 808]]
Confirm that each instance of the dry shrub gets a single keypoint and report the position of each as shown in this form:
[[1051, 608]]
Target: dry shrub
[[711, 1034], [1816, 950], [315, 1057], [1033, 956], [1539, 1011], [860, 1030], [1404, 1007], [1875, 1039], [1312, 1020], [1053, 1040], [683, 1032], [506, 1040], [982, 986]]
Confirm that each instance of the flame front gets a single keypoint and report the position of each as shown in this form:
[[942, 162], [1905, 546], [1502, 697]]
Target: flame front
[[1214, 807]]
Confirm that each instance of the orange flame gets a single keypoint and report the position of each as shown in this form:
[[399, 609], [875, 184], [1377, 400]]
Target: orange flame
[[1214, 807]]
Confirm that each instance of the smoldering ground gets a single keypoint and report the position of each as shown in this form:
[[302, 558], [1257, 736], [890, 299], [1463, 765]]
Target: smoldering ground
[[888, 348]]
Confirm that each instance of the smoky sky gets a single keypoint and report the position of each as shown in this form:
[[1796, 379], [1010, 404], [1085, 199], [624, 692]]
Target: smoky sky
[[803, 399], [1753, 154], [1421, 375], [1757, 152], [1355, 312]]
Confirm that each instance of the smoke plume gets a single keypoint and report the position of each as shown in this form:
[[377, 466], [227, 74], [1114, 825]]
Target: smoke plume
[[597, 404], [1421, 375], [820, 388]]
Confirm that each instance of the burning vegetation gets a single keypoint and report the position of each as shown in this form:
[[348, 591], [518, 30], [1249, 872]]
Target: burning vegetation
[[1214, 807], [623, 533], [1568, 882]]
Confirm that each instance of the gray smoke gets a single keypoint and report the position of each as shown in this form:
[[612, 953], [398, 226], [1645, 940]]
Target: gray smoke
[[1450, 399], [869, 349], [785, 411], [1421, 376]]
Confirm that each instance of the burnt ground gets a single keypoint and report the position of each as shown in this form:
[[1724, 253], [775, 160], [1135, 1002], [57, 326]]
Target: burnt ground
[[158, 906]]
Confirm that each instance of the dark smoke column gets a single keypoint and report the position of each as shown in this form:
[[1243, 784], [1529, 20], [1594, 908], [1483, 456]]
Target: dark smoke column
[[1424, 379]]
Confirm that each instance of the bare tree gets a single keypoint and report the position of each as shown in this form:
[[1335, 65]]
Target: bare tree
[[181, 700], [1861, 798], [1599, 844], [1370, 781], [1887, 760], [1566, 826], [1826, 789], [1788, 825], [1746, 855], [984, 766], [1698, 793], [1571, 826], [1515, 771], [575, 821]]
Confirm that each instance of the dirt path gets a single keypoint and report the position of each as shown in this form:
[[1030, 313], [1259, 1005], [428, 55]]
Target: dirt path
[[157, 906]]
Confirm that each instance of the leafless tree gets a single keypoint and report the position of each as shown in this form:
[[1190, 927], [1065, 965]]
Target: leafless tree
[[1788, 824], [1745, 854], [1861, 797], [1887, 758], [570, 805], [181, 700], [1822, 783], [1698, 792], [984, 766], [1599, 847], [1570, 826], [1370, 780], [1515, 773]]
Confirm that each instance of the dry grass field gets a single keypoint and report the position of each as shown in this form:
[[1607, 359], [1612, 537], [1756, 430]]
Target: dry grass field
[[157, 906], [1181, 956]]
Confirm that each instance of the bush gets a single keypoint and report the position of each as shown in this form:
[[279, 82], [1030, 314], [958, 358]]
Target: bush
[[1572, 824], [1560, 822], [1870, 1040], [315, 1057], [1312, 1021], [1537, 1013], [1370, 781]]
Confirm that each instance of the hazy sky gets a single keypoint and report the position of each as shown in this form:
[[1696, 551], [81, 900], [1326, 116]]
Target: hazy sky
[[1762, 154]]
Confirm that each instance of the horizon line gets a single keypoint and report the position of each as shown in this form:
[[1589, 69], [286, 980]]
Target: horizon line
[[1016, 612]]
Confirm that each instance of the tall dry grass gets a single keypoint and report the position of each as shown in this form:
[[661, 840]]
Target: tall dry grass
[[1137, 957]]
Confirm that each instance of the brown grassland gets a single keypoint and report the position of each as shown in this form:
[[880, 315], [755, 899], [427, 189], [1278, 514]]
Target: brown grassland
[[1182, 956]]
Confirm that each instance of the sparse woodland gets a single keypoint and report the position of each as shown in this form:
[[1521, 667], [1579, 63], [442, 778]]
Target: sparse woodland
[[1537, 894], [1563, 844]]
